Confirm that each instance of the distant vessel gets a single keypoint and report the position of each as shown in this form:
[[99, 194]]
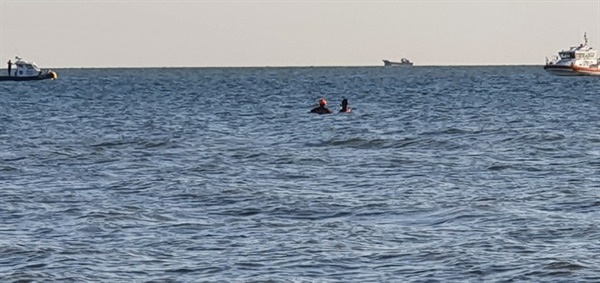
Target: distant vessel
[[27, 71], [403, 62], [579, 60]]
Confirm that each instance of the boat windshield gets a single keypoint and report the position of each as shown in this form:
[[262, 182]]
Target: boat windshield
[[567, 55]]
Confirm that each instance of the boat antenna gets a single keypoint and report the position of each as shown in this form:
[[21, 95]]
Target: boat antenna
[[585, 38]]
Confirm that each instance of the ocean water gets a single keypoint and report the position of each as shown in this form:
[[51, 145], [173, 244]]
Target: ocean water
[[440, 174]]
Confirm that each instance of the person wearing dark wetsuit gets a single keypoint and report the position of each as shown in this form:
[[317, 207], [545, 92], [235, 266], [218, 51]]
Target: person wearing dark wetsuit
[[345, 107], [322, 109], [9, 67]]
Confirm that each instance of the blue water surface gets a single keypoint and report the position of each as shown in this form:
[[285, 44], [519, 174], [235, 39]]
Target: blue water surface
[[440, 174]]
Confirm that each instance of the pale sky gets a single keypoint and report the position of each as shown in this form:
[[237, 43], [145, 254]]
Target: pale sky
[[201, 33]]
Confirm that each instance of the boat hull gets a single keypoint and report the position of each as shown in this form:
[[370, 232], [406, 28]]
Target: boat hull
[[47, 76], [572, 70]]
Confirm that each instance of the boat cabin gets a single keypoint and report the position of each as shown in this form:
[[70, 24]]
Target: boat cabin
[[582, 55], [25, 68]]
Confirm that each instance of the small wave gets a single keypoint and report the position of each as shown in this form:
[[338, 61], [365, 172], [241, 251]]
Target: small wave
[[364, 143], [351, 142], [449, 131], [541, 137], [8, 168], [564, 265], [15, 158], [453, 131], [110, 144], [151, 144], [499, 167], [142, 142]]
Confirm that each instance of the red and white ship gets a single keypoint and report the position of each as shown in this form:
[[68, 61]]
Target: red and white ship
[[579, 60]]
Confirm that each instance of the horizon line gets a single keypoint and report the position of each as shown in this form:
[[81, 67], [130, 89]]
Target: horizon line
[[292, 66]]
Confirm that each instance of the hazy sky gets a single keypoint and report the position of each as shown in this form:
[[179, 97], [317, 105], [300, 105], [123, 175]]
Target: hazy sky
[[199, 33]]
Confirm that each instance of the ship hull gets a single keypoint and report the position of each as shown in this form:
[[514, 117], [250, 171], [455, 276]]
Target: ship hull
[[47, 76], [572, 70]]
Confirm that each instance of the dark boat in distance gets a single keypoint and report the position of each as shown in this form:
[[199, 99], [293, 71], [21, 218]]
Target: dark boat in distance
[[28, 71], [403, 62]]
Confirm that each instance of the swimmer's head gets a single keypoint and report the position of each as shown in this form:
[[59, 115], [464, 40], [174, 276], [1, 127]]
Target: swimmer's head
[[323, 102]]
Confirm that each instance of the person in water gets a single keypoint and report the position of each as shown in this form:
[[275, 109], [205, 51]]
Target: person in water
[[345, 107], [9, 66], [322, 109]]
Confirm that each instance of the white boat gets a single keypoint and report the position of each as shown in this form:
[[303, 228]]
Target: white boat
[[579, 60], [27, 71], [403, 63]]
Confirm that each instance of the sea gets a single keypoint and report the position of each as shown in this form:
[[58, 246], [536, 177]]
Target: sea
[[439, 174]]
